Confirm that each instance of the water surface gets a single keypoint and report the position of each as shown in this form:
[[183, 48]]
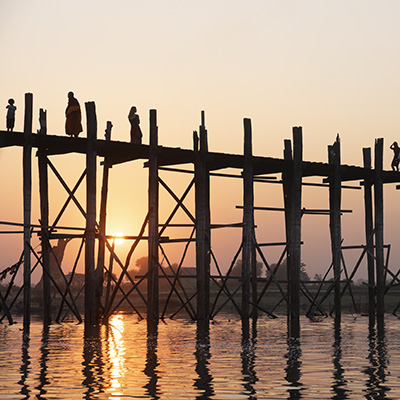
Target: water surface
[[185, 360]]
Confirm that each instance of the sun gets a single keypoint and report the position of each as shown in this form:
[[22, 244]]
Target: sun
[[118, 238]]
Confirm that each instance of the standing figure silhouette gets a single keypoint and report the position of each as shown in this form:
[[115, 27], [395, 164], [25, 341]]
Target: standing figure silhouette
[[73, 116], [136, 132]]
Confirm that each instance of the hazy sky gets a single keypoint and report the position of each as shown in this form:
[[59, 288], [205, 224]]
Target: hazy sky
[[330, 67]]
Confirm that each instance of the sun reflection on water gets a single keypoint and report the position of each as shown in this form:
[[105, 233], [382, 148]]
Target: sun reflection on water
[[116, 352]]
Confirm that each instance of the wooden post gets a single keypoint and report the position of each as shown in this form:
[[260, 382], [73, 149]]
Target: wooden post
[[249, 271], [109, 279], [380, 270], [27, 187], [44, 218], [91, 310], [369, 235], [102, 222], [287, 200], [202, 199], [152, 281], [292, 180], [296, 231], [335, 221]]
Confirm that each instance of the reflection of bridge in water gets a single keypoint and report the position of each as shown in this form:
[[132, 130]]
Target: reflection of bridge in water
[[102, 288]]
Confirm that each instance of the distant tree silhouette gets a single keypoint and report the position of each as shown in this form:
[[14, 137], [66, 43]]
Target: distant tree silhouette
[[281, 274], [174, 267], [141, 266], [237, 268], [105, 282], [55, 262], [318, 277]]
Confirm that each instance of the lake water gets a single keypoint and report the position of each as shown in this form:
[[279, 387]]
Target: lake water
[[180, 360]]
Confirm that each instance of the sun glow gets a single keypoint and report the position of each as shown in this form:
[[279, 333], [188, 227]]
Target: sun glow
[[118, 238]]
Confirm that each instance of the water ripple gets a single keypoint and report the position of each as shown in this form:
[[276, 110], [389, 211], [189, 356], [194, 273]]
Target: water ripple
[[180, 360]]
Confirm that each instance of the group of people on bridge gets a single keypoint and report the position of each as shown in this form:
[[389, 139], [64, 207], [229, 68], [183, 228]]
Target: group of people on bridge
[[73, 119], [73, 124]]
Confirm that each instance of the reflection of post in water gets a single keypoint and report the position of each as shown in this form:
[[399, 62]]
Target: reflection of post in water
[[92, 363], [339, 382], [151, 359], [248, 355], [380, 325], [25, 358], [44, 351], [293, 373], [203, 383], [92, 331], [376, 371]]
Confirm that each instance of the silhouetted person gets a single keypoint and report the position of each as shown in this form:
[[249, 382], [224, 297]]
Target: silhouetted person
[[10, 115], [136, 132], [396, 150], [73, 125]]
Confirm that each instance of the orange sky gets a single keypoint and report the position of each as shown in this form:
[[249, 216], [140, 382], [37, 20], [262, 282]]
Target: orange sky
[[326, 67]]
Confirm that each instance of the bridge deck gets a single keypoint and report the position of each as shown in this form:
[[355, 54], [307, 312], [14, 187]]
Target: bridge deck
[[119, 152]]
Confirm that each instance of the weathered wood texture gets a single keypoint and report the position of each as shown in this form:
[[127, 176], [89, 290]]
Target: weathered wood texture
[[152, 278], [91, 310], [249, 275], [27, 201], [202, 191], [44, 219], [379, 256], [335, 198], [368, 212], [102, 223], [292, 200]]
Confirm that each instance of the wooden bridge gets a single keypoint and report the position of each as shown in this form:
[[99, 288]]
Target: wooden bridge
[[202, 164]]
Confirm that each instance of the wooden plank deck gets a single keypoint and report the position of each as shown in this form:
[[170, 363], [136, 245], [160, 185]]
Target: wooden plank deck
[[119, 152]]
